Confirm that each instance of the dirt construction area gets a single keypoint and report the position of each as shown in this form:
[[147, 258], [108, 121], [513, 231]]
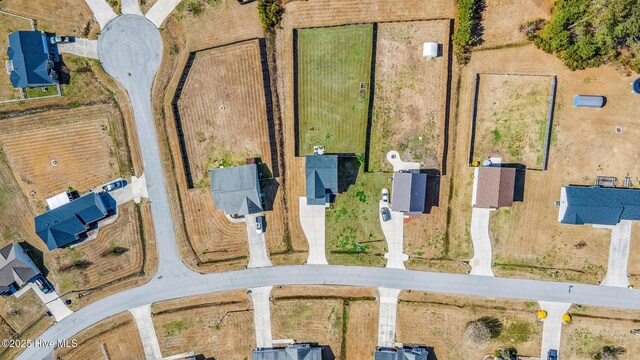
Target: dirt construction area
[[53, 151], [345, 319], [441, 322], [114, 338], [215, 325], [223, 111], [409, 100], [511, 118]]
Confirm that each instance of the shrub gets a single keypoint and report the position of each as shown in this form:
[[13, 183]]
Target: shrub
[[195, 7], [270, 13], [468, 31]]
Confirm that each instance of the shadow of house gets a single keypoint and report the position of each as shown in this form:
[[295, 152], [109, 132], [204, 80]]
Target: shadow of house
[[36, 256], [348, 169], [432, 197]]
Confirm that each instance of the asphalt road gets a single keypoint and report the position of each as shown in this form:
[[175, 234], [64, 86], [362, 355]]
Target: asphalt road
[[130, 50], [457, 284]]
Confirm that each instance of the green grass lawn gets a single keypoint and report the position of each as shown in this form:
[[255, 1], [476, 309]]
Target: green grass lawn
[[334, 68], [37, 92], [353, 231]]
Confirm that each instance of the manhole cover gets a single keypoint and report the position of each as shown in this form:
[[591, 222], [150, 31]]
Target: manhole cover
[[221, 107], [618, 129], [393, 156], [54, 162]]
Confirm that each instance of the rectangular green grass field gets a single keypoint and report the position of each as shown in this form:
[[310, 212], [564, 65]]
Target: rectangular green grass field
[[334, 68]]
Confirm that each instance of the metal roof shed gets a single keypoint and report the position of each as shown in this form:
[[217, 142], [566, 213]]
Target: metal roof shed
[[588, 101]]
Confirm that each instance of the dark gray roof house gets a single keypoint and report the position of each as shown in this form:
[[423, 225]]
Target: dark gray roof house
[[322, 178], [408, 192], [598, 205], [406, 352], [306, 351], [16, 269], [236, 190], [32, 59], [494, 187], [69, 223]]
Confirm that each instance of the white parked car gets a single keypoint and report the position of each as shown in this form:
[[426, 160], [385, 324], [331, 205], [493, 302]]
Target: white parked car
[[260, 224], [385, 196]]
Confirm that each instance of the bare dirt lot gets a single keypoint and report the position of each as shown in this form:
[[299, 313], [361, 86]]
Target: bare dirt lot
[[192, 325], [65, 17], [440, 321], [346, 319], [527, 239], [117, 337], [588, 333], [511, 120], [408, 108], [501, 20], [50, 152], [223, 110]]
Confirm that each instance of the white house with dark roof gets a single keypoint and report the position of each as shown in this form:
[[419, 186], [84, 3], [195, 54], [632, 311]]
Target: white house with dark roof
[[598, 205], [407, 352], [16, 269], [236, 190], [302, 351]]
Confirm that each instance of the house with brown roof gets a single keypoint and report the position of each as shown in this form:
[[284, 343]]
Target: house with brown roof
[[493, 187]]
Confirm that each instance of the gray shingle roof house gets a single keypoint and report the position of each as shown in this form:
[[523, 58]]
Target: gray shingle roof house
[[406, 352], [16, 269], [494, 187], [307, 351], [236, 190], [598, 205], [408, 192], [69, 223], [32, 58], [322, 178]]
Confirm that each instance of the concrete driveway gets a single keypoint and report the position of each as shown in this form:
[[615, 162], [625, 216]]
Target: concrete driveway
[[144, 323], [482, 255], [160, 10], [394, 233], [130, 7], [388, 315], [81, 47], [102, 12], [312, 219], [552, 327], [619, 255], [135, 190], [262, 315], [51, 300], [258, 256]]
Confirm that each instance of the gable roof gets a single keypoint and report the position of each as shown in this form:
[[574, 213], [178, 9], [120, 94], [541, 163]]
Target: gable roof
[[68, 224], [404, 353], [291, 352], [598, 205], [236, 190], [322, 177], [495, 186], [408, 192], [29, 53], [15, 267]]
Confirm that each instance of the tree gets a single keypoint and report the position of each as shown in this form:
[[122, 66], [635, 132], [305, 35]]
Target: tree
[[610, 353], [270, 13], [480, 331]]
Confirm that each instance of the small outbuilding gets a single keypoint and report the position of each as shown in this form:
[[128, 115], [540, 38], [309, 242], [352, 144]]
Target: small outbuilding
[[493, 187], [406, 352], [321, 179], [598, 205], [16, 269], [430, 50], [588, 101], [408, 192], [236, 190], [31, 59], [68, 224]]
